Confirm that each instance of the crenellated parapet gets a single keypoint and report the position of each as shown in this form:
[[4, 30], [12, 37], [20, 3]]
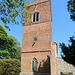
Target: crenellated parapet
[[35, 2]]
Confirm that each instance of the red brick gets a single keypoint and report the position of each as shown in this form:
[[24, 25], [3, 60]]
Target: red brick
[[42, 30]]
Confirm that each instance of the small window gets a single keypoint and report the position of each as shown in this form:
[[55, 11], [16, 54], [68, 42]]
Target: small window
[[36, 17], [66, 73], [34, 64]]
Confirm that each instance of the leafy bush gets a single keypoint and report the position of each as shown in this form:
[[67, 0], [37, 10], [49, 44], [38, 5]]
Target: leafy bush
[[10, 67]]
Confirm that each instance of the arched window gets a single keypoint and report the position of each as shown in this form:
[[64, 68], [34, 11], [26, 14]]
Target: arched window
[[34, 64], [35, 16]]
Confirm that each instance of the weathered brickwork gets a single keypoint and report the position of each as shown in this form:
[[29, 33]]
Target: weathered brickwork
[[27, 61], [53, 57], [43, 49], [43, 8], [64, 67], [37, 43], [42, 32]]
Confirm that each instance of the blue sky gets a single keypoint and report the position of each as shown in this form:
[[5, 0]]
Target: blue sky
[[62, 26]]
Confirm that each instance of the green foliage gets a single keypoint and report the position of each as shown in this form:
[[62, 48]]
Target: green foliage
[[11, 9], [30, 22], [10, 67], [9, 47], [71, 9], [69, 51]]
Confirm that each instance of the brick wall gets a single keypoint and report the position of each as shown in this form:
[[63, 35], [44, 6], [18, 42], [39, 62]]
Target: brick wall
[[41, 30], [44, 10], [27, 62]]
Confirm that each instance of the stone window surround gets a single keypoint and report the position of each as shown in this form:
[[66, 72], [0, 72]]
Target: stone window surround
[[66, 73], [34, 62], [36, 17]]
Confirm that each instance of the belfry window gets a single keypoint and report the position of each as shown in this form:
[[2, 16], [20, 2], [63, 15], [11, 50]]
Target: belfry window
[[35, 16], [34, 64]]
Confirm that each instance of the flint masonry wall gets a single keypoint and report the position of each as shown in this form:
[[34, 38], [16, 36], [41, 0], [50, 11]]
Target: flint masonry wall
[[64, 67]]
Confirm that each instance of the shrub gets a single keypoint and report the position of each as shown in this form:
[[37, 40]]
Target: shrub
[[10, 67]]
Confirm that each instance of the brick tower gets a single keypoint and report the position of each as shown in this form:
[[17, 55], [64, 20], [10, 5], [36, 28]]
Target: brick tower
[[38, 50]]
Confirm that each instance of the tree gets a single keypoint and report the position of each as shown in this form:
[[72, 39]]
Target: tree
[[11, 9], [8, 46], [71, 9], [69, 51]]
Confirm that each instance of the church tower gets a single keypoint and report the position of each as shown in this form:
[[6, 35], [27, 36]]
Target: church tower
[[38, 50]]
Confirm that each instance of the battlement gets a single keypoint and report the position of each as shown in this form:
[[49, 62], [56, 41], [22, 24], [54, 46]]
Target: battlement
[[35, 2]]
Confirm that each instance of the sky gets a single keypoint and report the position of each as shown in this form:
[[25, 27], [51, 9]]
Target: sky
[[62, 26]]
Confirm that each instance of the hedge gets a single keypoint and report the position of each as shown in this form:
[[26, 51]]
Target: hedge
[[10, 67]]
